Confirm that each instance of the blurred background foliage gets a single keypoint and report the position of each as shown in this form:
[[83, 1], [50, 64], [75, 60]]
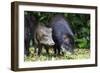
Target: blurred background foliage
[[79, 23]]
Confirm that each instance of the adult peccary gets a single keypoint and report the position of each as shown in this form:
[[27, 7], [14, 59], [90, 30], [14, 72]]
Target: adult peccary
[[43, 38], [62, 35], [29, 27]]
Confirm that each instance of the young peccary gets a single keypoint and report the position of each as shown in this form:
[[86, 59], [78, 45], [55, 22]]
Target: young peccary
[[43, 38], [40, 35]]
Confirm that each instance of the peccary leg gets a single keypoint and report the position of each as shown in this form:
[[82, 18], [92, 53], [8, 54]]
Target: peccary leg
[[47, 49], [27, 47], [39, 49]]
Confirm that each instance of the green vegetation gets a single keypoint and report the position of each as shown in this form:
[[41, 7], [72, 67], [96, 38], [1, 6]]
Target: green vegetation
[[80, 24]]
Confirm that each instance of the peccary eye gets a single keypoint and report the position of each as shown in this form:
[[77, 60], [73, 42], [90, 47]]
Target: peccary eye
[[44, 37]]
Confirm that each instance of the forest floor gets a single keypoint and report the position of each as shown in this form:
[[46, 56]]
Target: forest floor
[[78, 54]]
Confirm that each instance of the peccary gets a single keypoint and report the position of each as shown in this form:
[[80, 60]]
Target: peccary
[[29, 27], [43, 38], [40, 35], [62, 35]]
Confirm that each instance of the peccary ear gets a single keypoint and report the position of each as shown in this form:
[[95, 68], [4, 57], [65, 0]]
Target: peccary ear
[[65, 36], [50, 29]]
